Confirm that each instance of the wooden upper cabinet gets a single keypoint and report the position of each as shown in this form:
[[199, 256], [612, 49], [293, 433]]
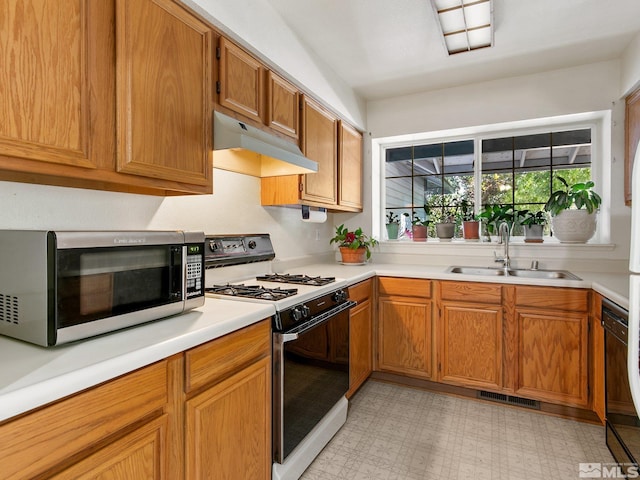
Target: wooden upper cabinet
[[320, 144], [48, 52], [241, 81], [163, 92], [349, 167], [283, 105], [632, 137]]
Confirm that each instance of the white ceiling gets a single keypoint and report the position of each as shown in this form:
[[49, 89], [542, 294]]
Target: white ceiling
[[384, 48]]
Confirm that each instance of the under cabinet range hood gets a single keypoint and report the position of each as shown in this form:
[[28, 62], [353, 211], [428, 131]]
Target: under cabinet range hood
[[241, 148]]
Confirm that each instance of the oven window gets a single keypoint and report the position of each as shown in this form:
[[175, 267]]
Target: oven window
[[316, 376], [97, 283]]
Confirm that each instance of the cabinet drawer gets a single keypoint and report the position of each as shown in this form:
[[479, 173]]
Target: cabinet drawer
[[471, 292], [360, 291], [406, 287], [222, 357], [41, 440], [569, 299]]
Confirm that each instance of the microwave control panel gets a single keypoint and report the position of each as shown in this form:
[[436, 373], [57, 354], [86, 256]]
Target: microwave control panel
[[195, 269]]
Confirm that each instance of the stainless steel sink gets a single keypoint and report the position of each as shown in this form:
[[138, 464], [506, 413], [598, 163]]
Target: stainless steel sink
[[515, 272]]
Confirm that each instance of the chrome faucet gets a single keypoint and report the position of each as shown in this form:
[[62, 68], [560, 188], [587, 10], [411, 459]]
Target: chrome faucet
[[503, 233]]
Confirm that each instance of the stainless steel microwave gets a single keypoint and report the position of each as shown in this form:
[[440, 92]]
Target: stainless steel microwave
[[62, 286]]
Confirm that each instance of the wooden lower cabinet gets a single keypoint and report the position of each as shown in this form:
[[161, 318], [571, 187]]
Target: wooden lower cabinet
[[228, 407], [140, 455], [63, 438], [404, 328], [360, 335], [596, 357], [471, 329], [228, 427], [552, 326], [200, 414]]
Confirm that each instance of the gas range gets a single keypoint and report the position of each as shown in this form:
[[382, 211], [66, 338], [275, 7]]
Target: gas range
[[237, 269]]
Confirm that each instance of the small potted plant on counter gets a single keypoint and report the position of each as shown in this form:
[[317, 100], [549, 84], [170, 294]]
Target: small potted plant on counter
[[494, 215], [355, 246], [533, 223], [420, 225], [573, 211], [392, 225]]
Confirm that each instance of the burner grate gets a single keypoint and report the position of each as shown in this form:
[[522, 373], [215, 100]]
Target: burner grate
[[252, 291], [296, 279]]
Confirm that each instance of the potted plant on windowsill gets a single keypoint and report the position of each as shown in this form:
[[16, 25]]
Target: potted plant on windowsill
[[494, 215], [355, 246], [533, 223], [392, 225], [470, 223], [573, 211], [419, 226]]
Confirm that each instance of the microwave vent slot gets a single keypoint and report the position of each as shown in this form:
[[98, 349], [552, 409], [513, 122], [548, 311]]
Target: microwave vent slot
[[9, 309]]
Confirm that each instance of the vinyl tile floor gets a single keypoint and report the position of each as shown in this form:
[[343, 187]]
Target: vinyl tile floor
[[396, 433]]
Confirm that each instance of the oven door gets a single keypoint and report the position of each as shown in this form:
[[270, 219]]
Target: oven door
[[622, 424], [311, 374]]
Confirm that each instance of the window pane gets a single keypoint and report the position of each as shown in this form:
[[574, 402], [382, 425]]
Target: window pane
[[497, 154], [532, 187], [427, 159], [398, 162], [497, 188], [398, 192], [458, 157]]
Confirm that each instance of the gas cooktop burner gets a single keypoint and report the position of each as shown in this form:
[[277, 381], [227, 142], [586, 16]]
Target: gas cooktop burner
[[252, 291], [296, 279]]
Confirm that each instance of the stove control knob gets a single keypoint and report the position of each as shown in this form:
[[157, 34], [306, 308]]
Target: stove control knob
[[339, 296], [305, 311], [296, 314]]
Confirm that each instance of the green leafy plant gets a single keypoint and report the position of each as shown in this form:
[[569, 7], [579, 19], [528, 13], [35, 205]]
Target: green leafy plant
[[494, 215], [419, 221], [392, 217], [353, 239], [465, 209], [579, 195], [533, 218]]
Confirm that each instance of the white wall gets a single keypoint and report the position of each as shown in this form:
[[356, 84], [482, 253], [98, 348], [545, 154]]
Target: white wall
[[233, 208], [631, 67], [587, 88]]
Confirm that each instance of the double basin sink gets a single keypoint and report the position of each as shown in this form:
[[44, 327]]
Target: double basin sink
[[515, 272]]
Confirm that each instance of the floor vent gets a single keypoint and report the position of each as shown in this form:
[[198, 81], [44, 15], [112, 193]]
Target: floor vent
[[509, 399]]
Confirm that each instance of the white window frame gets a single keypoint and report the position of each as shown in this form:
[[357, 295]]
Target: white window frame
[[599, 122]]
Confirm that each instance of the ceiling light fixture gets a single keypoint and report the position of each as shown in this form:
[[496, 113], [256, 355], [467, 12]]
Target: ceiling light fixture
[[465, 24]]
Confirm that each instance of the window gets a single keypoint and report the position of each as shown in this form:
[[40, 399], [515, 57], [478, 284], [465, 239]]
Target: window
[[519, 171]]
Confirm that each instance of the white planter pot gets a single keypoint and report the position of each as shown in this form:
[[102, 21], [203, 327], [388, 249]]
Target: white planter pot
[[574, 226]]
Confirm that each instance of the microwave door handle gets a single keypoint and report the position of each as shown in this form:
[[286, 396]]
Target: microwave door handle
[[177, 260]]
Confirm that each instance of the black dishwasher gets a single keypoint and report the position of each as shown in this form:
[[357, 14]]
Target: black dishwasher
[[622, 424]]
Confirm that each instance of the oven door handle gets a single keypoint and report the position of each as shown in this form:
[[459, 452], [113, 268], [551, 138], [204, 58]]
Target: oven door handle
[[319, 320]]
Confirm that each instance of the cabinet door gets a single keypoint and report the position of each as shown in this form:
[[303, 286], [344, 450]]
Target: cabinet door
[[320, 143], [596, 357], [164, 92], [241, 82], [140, 455], [404, 336], [51, 67], [350, 168], [471, 348], [552, 360], [228, 427], [360, 342], [283, 105]]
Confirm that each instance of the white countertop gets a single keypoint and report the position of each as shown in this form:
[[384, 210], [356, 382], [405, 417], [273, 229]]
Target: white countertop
[[39, 375], [32, 376]]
